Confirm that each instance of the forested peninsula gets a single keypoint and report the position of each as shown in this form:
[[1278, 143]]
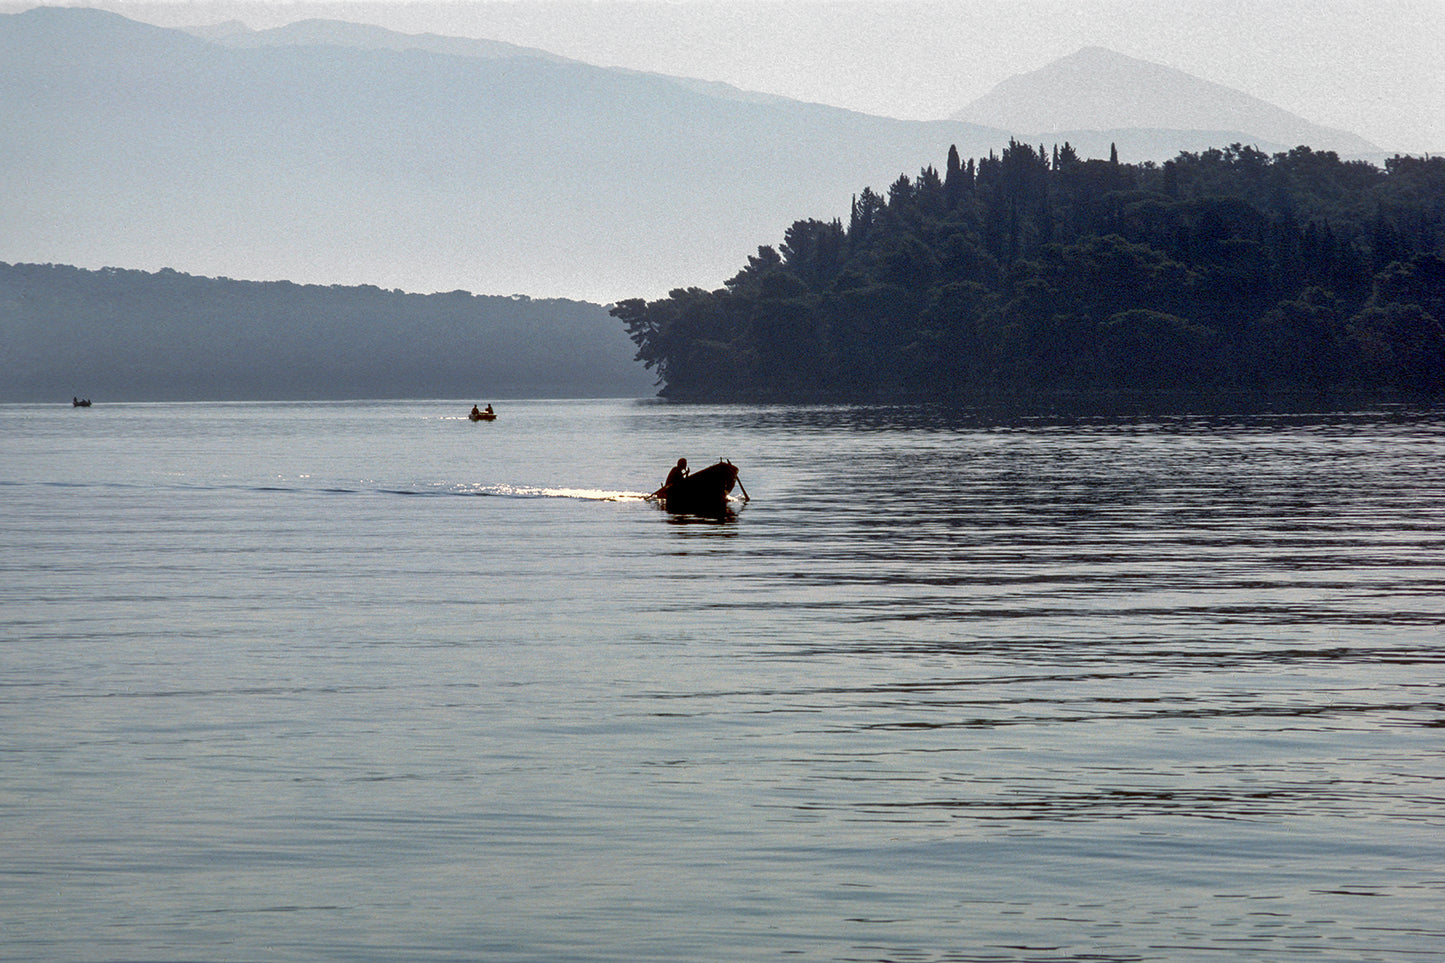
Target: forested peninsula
[[126, 335], [1038, 273]]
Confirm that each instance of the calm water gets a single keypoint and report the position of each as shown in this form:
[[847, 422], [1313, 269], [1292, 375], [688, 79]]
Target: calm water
[[371, 682]]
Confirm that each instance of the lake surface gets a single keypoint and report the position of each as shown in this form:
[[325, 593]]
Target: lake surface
[[368, 681]]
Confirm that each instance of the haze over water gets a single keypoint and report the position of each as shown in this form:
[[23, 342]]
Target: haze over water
[[371, 682]]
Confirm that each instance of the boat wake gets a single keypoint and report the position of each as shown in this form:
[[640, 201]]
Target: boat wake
[[579, 494], [300, 487]]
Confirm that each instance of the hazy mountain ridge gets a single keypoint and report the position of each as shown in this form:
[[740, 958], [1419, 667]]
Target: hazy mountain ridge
[[1099, 90], [340, 33], [352, 154], [408, 168], [125, 335], [366, 36]]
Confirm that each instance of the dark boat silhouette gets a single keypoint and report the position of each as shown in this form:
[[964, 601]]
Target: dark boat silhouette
[[704, 492]]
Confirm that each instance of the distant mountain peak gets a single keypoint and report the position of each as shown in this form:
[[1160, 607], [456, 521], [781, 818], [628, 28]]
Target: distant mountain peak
[[1096, 89]]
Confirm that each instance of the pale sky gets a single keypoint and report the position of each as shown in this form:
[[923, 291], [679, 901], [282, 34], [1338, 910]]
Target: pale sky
[[1372, 67]]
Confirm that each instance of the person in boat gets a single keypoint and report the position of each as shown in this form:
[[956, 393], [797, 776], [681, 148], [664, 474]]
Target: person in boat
[[476, 413], [678, 473], [490, 411]]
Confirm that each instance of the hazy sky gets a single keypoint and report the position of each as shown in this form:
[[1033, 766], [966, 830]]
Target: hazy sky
[[1373, 67]]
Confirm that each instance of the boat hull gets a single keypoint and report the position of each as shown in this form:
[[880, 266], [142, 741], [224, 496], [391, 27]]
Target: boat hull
[[704, 492]]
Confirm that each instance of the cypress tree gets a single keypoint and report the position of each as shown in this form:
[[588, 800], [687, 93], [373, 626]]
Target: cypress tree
[[953, 179]]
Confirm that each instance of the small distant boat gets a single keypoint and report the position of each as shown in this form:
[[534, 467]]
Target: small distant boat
[[704, 492], [479, 415], [80, 402]]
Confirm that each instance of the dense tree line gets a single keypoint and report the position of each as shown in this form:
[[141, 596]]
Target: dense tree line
[[119, 335], [1039, 271]]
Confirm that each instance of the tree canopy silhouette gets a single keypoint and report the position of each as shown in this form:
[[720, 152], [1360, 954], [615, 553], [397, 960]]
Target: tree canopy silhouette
[[1035, 271]]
